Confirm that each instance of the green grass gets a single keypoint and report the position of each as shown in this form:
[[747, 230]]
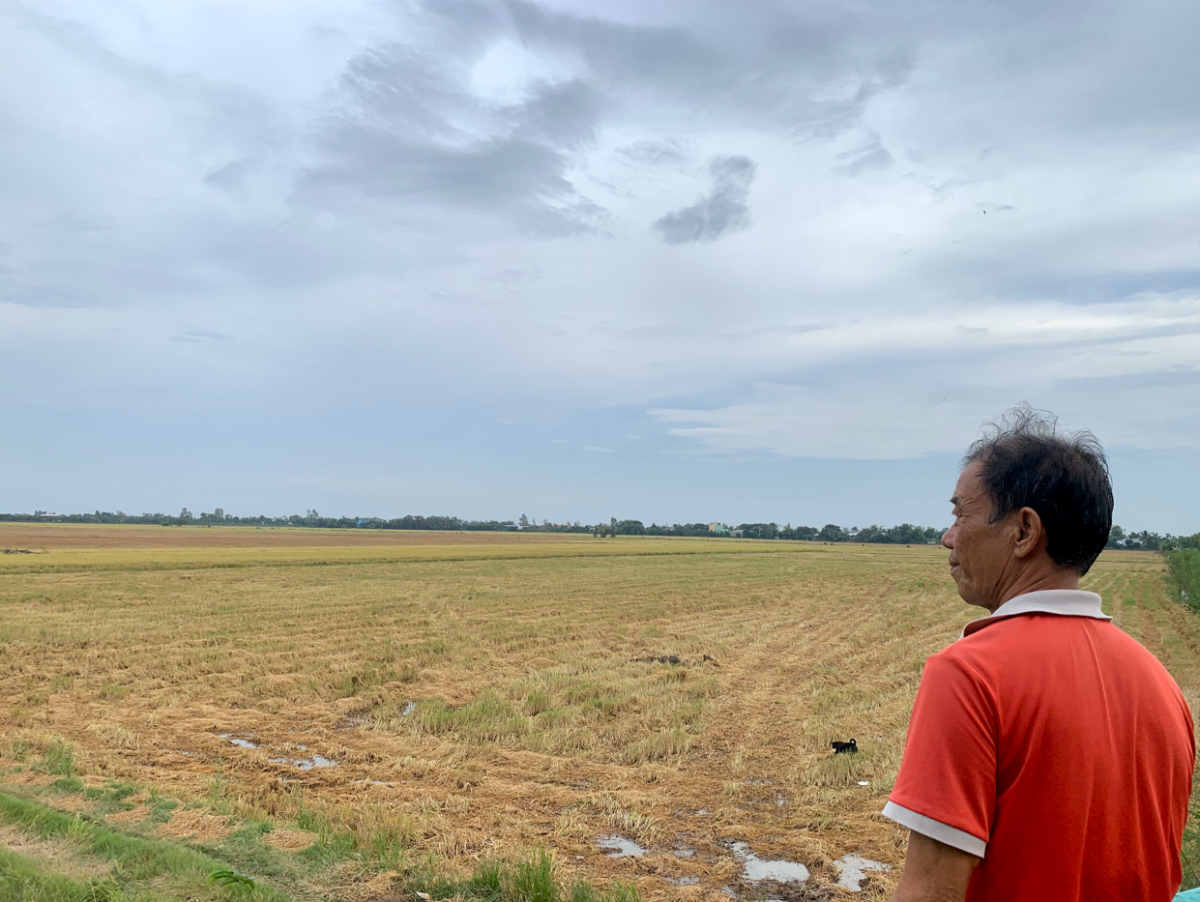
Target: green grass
[[532, 880], [1184, 567], [143, 869], [1191, 850], [170, 868], [1185, 571], [23, 880]]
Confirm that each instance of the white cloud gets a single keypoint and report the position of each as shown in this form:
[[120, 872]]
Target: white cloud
[[909, 387]]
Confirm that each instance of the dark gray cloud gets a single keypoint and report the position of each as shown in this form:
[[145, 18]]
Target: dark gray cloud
[[412, 132], [737, 64], [720, 211]]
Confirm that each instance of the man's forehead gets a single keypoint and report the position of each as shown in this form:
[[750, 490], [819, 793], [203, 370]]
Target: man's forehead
[[968, 483]]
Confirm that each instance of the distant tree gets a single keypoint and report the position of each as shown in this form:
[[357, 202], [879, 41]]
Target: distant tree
[[523, 522], [219, 514], [185, 514], [760, 530], [831, 532]]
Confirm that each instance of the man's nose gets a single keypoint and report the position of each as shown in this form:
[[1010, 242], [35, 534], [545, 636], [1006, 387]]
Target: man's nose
[[948, 538]]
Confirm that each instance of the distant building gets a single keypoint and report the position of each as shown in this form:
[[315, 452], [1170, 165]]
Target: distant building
[[718, 528], [735, 533]]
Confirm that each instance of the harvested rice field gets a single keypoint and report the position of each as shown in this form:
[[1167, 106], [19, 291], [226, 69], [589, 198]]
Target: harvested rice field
[[367, 715]]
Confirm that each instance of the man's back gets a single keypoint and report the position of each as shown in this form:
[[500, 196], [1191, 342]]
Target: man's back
[[1066, 747]]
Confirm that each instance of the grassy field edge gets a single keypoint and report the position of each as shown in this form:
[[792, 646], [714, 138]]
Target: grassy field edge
[[149, 869], [1184, 568]]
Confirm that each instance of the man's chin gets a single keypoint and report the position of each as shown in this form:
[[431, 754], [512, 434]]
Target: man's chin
[[964, 591]]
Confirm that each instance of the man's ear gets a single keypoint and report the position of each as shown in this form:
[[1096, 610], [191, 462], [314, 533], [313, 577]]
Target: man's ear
[[1030, 532]]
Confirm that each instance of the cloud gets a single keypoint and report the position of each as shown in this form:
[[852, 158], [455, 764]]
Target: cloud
[[197, 335], [228, 177], [722, 210], [872, 155], [1124, 370], [825, 421], [862, 422], [811, 72], [651, 153], [411, 130]]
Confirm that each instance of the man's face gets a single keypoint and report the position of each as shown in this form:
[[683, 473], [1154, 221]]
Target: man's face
[[980, 552]]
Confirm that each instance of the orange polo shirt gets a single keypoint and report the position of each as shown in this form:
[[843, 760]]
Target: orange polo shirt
[[1056, 748]]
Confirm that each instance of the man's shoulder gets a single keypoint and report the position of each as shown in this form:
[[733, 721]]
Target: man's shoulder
[[960, 663], [1019, 650], [1007, 641]]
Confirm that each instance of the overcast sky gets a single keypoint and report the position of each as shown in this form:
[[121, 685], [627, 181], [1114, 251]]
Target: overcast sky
[[663, 260]]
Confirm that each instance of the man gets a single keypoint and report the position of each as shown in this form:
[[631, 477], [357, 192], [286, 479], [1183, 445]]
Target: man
[[1049, 756]]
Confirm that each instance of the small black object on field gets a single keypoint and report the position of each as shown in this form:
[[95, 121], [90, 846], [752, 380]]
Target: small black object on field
[[16, 551], [850, 747]]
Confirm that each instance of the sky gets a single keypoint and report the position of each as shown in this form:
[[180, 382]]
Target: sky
[[672, 261]]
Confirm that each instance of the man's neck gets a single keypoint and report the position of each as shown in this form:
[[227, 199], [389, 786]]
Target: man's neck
[[1038, 580]]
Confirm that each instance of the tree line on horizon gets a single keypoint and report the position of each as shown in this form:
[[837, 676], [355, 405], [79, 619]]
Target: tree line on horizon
[[904, 534]]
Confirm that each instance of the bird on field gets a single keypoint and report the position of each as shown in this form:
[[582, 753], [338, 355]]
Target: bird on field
[[850, 747]]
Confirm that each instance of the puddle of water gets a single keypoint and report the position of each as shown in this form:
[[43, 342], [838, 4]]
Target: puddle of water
[[408, 709], [682, 881], [702, 811], [779, 870], [684, 853], [620, 847], [779, 800], [240, 743], [853, 870], [306, 763], [864, 782], [758, 781]]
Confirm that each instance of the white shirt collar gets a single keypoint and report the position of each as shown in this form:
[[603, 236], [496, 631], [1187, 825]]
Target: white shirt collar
[[1063, 602]]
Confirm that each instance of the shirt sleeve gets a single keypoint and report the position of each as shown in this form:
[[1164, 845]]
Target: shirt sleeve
[[946, 788]]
